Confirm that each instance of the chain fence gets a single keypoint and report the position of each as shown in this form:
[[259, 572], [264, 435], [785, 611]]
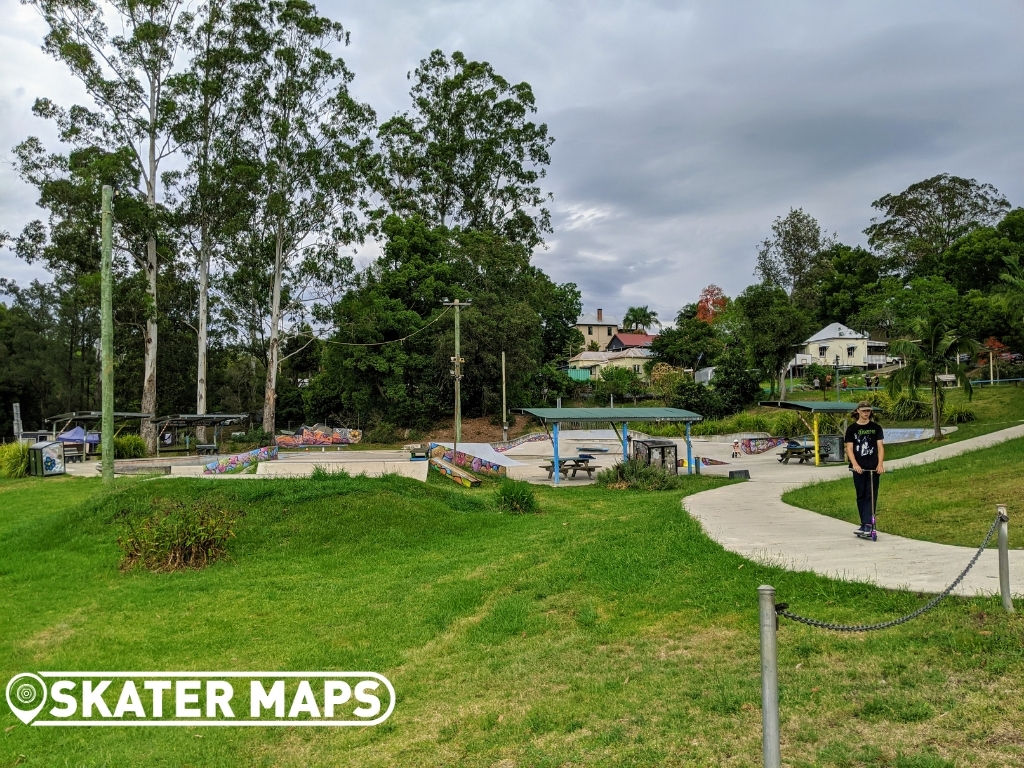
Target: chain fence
[[782, 609]]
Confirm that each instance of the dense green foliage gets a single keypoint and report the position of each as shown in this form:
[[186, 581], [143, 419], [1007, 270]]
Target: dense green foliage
[[515, 497], [14, 459], [636, 475], [129, 446], [169, 535]]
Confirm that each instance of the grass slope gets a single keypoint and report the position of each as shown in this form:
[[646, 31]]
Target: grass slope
[[607, 630], [951, 501]]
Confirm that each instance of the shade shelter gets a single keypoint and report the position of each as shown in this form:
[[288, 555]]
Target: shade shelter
[[193, 420], [89, 419], [816, 409], [619, 419]]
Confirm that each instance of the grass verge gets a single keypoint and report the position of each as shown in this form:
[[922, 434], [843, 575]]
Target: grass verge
[[951, 501], [605, 630]]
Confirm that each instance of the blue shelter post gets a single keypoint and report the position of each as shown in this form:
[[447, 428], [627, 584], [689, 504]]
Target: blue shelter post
[[625, 442], [689, 451], [554, 442]]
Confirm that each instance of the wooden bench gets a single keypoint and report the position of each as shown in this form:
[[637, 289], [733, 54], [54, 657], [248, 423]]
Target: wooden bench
[[571, 465], [72, 453], [801, 452], [206, 449]]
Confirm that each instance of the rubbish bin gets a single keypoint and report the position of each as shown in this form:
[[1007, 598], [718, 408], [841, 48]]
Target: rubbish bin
[[46, 459], [834, 445]]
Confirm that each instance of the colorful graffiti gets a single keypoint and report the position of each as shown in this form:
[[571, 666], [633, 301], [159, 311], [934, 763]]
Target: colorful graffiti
[[704, 461], [453, 473], [466, 460], [755, 445], [241, 461], [319, 436], [533, 437]]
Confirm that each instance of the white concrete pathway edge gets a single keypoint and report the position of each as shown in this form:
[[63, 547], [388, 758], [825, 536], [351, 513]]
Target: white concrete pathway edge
[[751, 519]]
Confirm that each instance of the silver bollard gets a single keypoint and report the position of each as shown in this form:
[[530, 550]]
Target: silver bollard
[[769, 679], [1004, 558]]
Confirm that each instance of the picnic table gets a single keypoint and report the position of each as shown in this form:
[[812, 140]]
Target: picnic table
[[204, 449], [796, 449], [73, 452], [418, 452], [565, 466]]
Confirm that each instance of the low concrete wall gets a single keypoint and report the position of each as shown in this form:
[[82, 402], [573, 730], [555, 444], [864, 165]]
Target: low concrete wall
[[417, 470]]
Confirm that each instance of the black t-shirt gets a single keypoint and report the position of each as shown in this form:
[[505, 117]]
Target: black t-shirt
[[865, 439]]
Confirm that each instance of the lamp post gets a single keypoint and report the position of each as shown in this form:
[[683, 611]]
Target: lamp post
[[837, 378], [107, 333]]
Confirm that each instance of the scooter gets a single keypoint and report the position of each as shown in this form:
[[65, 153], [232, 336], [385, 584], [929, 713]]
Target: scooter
[[873, 533]]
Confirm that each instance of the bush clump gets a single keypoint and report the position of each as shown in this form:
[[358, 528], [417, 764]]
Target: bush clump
[[14, 459], [634, 474], [383, 433], [175, 535], [515, 497], [959, 413], [129, 447], [903, 407]]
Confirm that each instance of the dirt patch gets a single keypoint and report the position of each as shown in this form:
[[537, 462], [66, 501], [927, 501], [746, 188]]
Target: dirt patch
[[481, 430]]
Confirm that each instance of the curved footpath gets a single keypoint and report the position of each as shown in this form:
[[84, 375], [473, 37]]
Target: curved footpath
[[751, 519]]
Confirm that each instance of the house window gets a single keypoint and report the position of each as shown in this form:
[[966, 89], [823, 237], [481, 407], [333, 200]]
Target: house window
[[609, 330], [636, 369], [590, 330], [822, 351], [850, 351]]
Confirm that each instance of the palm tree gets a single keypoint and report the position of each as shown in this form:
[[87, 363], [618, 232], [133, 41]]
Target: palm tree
[[927, 357], [1013, 299], [640, 318]]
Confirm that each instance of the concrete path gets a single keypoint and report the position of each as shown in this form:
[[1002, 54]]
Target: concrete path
[[751, 519]]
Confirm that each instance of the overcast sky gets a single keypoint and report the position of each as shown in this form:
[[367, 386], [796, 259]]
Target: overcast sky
[[682, 129]]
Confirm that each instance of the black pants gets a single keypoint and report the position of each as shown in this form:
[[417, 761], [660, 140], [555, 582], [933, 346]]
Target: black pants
[[862, 483]]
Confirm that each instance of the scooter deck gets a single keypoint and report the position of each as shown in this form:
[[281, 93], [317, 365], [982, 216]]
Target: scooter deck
[[871, 535]]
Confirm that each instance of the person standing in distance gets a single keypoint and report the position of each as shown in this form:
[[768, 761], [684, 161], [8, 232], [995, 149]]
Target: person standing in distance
[[865, 450]]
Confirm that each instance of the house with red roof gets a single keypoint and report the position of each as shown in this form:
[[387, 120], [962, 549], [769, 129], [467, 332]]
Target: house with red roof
[[621, 341]]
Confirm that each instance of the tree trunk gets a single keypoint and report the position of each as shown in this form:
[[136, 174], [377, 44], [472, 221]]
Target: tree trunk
[[935, 411], [148, 429], [782, 384], [270, 391], [204, 281]]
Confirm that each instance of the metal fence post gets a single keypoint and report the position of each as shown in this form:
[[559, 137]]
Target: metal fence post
[[1004, 558], [769, 679]]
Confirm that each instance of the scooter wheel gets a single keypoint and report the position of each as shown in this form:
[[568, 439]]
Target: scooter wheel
[[874, 536]]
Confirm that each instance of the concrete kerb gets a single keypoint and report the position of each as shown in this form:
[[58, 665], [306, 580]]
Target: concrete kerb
[[752, 520]]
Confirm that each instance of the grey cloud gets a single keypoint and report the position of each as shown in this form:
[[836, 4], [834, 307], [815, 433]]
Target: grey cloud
[[683, 128]]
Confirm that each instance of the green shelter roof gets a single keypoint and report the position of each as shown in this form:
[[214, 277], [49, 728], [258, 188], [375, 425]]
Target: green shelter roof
[[549, 415], [811, 406]]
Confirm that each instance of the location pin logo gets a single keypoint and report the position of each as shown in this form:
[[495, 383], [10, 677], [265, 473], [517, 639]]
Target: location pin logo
[[26, 695]]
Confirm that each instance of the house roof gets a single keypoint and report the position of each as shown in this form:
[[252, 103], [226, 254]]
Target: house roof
[[835, 331], [633, 339], [604, 357], [590, 318]]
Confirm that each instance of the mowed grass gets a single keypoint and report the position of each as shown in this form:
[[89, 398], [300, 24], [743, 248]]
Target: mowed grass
[[606, 630], [952, 501]]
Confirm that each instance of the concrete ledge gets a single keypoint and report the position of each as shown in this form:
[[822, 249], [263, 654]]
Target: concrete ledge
[[417, 470]]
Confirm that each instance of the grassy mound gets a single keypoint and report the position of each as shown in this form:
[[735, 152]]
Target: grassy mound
[[608, 630]]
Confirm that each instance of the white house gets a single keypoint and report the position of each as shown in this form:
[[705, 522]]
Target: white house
[[853, 349], [594, 362]]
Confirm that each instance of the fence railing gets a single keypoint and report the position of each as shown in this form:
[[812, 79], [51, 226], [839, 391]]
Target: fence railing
[[770, 611]]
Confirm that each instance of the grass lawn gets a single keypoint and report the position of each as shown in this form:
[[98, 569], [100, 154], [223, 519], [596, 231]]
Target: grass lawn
[[951, 501], [607, 630]]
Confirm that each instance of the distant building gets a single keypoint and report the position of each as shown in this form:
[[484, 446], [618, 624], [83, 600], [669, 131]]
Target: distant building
[[854, 350], [599, 327], [621, 341], [594, 362]]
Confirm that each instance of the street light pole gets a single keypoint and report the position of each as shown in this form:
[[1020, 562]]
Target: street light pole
[[504, 409], [837, 378], [457, 374]]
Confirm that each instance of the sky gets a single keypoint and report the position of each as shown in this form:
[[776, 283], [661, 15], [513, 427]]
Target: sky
[[682, 129]]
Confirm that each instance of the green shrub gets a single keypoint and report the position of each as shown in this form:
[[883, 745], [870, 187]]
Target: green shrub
[[129, 447], [383, 433], [173, 535], [322, 473], [637, 475], [14, 459], [903, 407], [515, 497], [959, 413]]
